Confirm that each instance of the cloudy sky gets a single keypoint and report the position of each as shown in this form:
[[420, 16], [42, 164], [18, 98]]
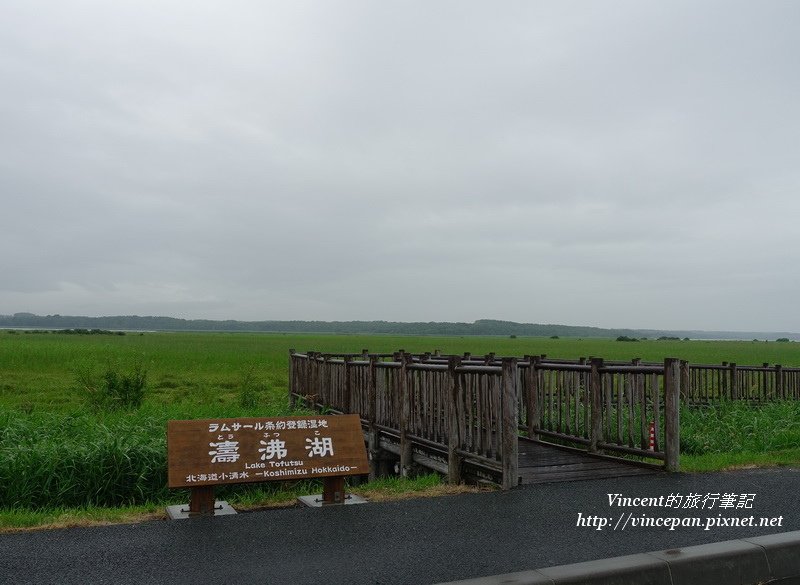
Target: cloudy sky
[[609, 163]]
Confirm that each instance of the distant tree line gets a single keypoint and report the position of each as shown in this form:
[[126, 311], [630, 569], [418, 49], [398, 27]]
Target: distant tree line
[[68, 332], [480, 327]]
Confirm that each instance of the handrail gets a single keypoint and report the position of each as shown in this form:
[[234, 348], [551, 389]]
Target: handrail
[[471, 409]]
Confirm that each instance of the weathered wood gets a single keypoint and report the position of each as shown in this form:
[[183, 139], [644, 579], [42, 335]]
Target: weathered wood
[[540, 463], [481, 446], [373, 441], [333, 490], [734, 382], [406, 446], [495, 393], [347, 398], [672, 393], [455, 423], [656, 402], [617, 388], [550, 401], [685, 388], [454, 412], [309, 379], [201, 501], [508, 428], [630, 383], [596, 399], [245, 450], [608, 388], [533, 405], [562, 401], [292, 379]]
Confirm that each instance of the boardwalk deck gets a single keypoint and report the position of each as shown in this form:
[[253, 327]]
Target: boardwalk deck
[[463, 419], [542, 463]]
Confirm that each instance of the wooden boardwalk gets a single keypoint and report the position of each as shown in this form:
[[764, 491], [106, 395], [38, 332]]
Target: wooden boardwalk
[[542, 463]]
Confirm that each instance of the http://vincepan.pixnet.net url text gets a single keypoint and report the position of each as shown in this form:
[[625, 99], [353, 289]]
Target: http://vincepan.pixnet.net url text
[[704, 511]]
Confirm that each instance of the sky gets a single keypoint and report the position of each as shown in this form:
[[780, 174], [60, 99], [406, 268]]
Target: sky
[[611, 163]]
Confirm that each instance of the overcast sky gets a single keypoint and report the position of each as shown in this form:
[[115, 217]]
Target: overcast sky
[[608, 163]]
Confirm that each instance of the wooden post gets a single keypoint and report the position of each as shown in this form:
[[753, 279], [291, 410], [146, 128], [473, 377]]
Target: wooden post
[[672, 421], [333, 490], [201, 501], [454, 422], [347, 398], [734, 382], [583, 386], [365, 354], [406, 447], [510, 409], [309, 378], [533, 405], [373, 434], [325, 383], [596, 397], [780, 393], [636, 362], [292, 379], [685, 387]]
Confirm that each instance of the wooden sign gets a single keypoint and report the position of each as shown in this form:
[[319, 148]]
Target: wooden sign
[[242, 450]]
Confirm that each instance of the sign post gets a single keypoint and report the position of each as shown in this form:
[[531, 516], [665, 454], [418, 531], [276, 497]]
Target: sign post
[[204, 453]]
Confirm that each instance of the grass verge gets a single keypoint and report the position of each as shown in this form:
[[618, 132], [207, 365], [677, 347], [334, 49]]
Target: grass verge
[[261, 497]]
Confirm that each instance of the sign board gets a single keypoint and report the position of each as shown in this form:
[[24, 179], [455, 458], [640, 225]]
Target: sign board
[[242, 450]]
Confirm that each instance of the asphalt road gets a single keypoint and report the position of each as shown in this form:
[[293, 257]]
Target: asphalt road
[[413, 541]]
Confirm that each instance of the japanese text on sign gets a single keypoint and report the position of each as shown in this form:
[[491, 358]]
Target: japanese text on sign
[[245, 450]]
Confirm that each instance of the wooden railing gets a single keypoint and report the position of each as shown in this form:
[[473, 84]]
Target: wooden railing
[[624, 409], [457, 414], [712, 383]]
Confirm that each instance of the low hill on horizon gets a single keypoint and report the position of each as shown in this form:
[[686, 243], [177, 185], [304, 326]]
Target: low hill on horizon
[[480, 327]]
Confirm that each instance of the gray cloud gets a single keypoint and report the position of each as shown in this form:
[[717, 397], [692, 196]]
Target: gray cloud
[[613, 164]]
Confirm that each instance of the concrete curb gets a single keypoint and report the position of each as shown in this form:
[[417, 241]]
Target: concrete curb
[[748, 561]]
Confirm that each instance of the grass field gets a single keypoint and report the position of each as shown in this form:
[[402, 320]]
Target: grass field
[[40, 371], [58, 454]]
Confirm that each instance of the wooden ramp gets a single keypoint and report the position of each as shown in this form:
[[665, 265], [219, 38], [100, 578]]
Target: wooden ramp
[[543, 463]]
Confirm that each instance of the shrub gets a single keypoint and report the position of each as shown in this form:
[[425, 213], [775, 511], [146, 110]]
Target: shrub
[[115, 390], [248, 394]]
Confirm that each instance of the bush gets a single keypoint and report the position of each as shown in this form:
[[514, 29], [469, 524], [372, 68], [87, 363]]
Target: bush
[[250, 389], [115, 390], [626, 338]]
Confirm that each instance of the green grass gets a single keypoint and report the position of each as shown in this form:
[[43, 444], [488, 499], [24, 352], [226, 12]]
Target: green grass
[[736, 434], [41, 371], [59, 458]]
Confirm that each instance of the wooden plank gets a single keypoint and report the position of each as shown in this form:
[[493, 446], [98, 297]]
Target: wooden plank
[[509, 423], [455, 423], [540, 463], [406, 447], [243, 450], [672, 413], [596, 394]]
